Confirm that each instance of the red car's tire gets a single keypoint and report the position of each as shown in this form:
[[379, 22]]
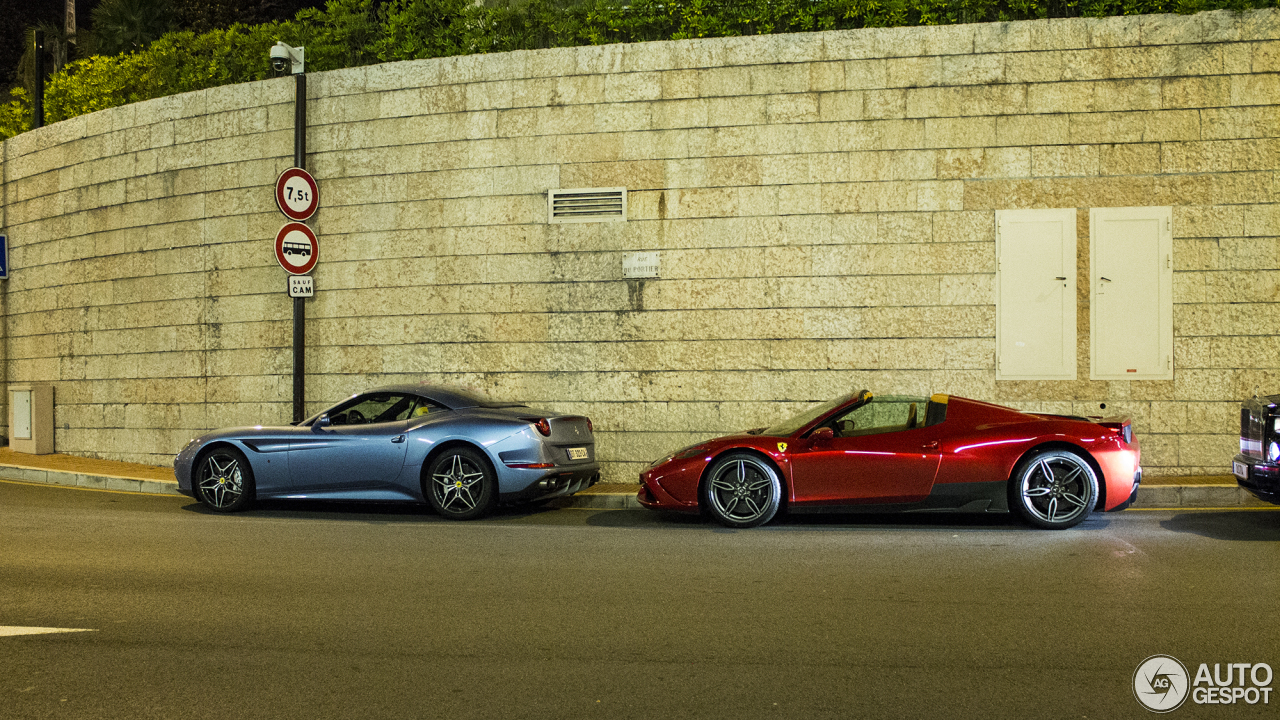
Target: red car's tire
[[1055, 489], [742, 490]]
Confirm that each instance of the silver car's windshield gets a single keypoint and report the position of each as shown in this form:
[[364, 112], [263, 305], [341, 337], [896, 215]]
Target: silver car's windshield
[[792, 424]]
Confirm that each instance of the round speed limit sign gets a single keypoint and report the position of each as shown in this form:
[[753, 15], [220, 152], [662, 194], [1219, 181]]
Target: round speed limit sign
[[297, 194]]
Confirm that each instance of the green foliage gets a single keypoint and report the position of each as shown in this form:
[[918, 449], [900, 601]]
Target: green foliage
[[15, 116], [349, 33]]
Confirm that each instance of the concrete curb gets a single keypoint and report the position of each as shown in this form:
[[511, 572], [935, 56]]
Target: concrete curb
[[1149, 496], [85, 480], [1176, 496]]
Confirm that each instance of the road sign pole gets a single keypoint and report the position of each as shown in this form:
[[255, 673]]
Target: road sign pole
[[299, 309], [37, 102]]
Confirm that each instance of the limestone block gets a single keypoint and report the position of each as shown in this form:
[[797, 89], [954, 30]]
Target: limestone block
[[724, 82], [1128, 159], [1261, 220], [1255, 286], [836, 106], [599, 59], [1064, 160], [988, 162], [1195, 92], [1239, 122], [1217, 26], [960, 132], [634, 86], [1215, 450], [745, 110], [940, 195], [1119, 95], [681, 84], [778, 78], [826, 76], [1220, 188], [898, 165], [1007, 37], [906, 72], [641, 57], [1219, 156], [1060, 34], [1257, 89], [972, 69], [882, 104], [624, 117], [679, 113], [1115, 31], [793, 108]]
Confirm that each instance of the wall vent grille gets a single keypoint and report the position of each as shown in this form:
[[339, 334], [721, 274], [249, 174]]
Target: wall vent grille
[[587, 205]]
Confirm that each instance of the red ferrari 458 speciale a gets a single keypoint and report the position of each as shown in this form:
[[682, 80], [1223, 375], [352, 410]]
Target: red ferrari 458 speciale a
[[864, 452]]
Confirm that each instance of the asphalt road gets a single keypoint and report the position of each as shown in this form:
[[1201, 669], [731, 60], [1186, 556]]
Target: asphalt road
[[350, 611]]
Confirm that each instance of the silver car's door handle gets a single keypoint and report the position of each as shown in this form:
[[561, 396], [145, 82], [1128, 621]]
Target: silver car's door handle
[[398, 439]]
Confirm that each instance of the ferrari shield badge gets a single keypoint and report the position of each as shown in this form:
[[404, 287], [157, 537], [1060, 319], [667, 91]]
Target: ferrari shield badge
[[782, 447]]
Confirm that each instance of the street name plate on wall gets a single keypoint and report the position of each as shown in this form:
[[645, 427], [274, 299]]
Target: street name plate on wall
[[641, 264]]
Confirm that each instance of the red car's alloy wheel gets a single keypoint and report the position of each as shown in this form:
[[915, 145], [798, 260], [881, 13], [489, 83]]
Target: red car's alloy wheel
[[742, 490], [1056, 489]]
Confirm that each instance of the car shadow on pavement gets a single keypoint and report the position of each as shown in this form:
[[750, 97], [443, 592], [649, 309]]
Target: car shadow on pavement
[[930, 522], [373, 512], [1257, 525]]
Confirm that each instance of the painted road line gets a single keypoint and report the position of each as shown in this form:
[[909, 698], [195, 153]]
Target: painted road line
[[8, 630]]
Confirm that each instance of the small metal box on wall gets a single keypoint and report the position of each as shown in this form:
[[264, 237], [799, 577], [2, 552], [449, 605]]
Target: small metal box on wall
[[31, 419]]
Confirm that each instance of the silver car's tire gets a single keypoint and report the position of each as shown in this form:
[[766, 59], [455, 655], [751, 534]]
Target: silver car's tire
[[460, 485], [223, 480], [742, 490], [1055, 490]]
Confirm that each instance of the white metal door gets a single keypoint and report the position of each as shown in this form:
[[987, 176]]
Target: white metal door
[[1035, 294], [1131, 304]]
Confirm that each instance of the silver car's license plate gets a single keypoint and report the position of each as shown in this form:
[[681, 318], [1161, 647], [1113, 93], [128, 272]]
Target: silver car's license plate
[[1240, 469], [577, 453]]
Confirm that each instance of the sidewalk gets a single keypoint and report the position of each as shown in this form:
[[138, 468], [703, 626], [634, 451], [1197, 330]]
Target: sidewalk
[[1162, 492]]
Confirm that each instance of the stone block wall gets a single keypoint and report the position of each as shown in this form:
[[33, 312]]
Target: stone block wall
[[823, 205]]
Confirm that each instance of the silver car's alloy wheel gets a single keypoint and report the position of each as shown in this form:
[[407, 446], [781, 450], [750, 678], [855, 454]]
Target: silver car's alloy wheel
[[743, 491], [1056, 490], [460, 485], [224, 481]]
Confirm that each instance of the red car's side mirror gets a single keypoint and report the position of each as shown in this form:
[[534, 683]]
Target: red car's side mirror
[[822, 436]]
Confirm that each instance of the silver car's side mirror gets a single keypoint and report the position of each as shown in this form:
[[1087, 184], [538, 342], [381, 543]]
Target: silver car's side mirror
[[322, 421]]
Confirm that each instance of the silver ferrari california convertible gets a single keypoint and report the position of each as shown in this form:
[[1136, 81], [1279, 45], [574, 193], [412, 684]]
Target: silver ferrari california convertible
[[458, 451]]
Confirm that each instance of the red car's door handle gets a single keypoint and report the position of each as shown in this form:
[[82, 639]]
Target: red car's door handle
[[931, 445]]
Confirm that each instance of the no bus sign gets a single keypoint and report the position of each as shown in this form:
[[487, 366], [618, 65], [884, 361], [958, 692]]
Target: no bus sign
[[297, 248], [297, 194]]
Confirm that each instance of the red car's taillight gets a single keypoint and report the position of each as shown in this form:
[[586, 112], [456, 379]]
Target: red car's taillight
[[543, 426]]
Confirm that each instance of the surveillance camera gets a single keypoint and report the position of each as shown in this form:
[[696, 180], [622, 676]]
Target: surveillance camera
[[285, 58], [280, 57]]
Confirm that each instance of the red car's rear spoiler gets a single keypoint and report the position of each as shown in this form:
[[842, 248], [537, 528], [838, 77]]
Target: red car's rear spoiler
[[1121, 424]]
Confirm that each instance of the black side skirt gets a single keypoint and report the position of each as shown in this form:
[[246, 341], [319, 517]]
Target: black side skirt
[[975, 497]]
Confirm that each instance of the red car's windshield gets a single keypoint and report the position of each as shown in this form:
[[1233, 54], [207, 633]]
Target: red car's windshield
[[791, 425]]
